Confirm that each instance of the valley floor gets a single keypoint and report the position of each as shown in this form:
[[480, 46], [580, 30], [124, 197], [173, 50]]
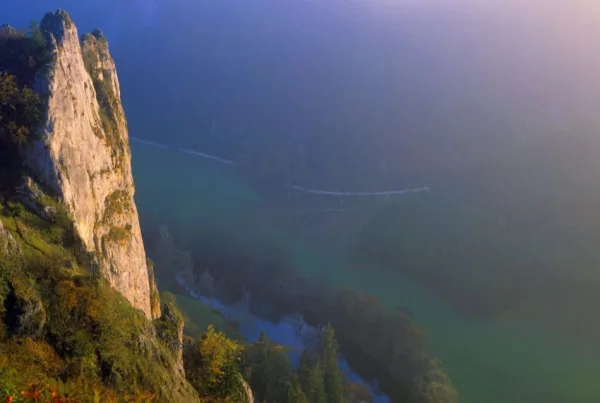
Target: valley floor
[[494, 361]]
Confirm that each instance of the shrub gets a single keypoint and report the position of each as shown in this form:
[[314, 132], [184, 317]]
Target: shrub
[[169, 329], [119, 234], [117, 203], [212, 365], [23, 53]]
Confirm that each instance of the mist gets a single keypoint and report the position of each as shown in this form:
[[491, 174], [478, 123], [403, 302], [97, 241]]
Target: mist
[[415, 86], [437, 155]]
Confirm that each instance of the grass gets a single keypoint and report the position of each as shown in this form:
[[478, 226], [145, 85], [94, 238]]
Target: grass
[[35, 236], [59, 321], [198, 317]]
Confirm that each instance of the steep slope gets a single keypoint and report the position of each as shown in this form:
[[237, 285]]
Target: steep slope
[[83, 155], [68, 336], [76, 291]]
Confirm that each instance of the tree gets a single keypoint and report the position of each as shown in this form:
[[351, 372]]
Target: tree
[[212, 366], [332, 376], [36, 35], [307, 361], [295, 392], [23, 53], [255, 365], [269, 369], [314, 386], [20, 113], [310, 374]]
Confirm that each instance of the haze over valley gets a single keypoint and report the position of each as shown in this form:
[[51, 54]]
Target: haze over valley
[[421, 175]]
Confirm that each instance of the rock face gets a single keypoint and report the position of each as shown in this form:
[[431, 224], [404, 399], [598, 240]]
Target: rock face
[[170, 330], [83, 154], [248, 392], [154, 294], [8, 246]]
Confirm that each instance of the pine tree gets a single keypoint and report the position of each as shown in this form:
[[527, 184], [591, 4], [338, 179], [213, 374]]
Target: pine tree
[[332, 376], [310, 376], [295, 392], [314, 386], [269, 369], [307, 361], [257, 362]]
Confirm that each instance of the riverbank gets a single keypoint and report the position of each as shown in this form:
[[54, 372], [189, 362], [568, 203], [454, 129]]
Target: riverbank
[[291, 332]]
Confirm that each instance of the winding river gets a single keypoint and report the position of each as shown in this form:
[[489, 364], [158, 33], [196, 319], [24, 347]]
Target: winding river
[[489, 361], [291, 332]]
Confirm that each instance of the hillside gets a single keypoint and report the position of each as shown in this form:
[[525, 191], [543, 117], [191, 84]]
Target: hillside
[[80, 316]]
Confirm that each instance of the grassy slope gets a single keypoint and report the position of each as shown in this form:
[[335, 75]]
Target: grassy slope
[[61, 327], [198, 317]]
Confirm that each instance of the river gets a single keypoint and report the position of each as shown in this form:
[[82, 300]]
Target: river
[[291, 331], [495, 361]]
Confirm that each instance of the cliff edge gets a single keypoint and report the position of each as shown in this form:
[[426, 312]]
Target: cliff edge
[[76, 291], [82, 153]]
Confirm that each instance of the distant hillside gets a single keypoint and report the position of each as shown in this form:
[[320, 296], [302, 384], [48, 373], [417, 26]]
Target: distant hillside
[[496, 230]]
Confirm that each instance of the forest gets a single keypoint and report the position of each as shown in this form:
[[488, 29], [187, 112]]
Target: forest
[[400, 360]]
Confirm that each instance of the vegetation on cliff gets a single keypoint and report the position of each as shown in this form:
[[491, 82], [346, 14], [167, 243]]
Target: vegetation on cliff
[[95, 56], [22, 54], [65, 334], [61, 324], [20, 113]]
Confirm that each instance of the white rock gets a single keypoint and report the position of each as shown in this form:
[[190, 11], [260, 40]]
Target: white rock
[[75, 159]]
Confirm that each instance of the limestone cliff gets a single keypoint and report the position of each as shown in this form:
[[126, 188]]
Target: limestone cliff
[[82, 153]]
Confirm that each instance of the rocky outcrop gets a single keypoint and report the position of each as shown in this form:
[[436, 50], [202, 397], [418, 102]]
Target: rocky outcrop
[[8, 246], [82, 153], [170, 330], [154, 294], [30, 194]]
